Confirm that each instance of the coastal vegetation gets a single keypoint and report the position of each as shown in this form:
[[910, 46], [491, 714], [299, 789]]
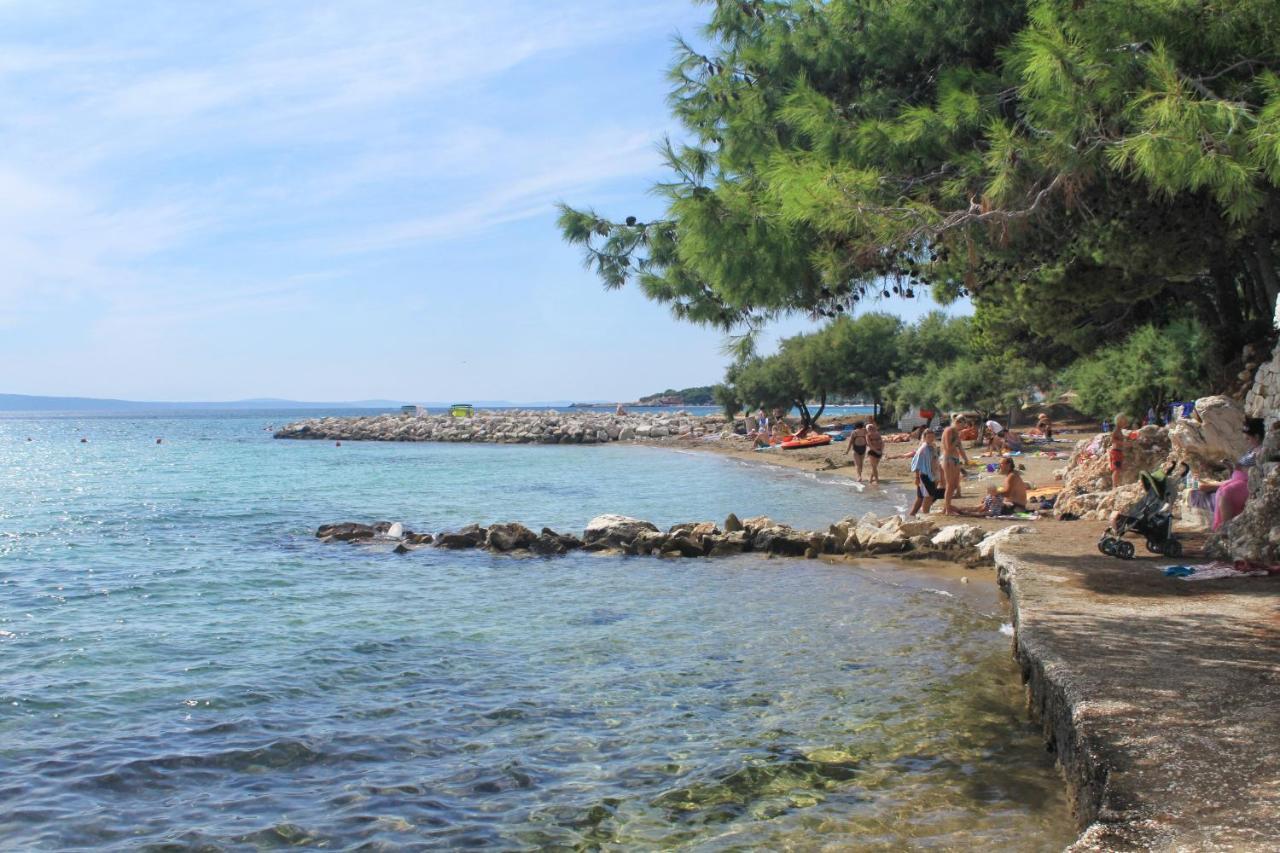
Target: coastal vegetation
[[1100, 180], [701, 395]]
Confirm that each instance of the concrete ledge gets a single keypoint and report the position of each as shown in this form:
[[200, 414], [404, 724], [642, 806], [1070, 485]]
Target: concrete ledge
[[1159, 696]]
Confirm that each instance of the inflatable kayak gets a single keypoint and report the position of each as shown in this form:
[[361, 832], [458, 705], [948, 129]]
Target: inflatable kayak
[[811, 441]]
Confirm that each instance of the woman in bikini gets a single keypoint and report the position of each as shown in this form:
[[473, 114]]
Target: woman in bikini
[[875, 450], [858, 444]]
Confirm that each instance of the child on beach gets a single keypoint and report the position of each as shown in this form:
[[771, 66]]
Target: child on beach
[[925, 466], [1115, 457]]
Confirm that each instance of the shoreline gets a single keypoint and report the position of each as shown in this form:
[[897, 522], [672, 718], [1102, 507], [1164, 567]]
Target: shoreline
[[1192, 764], [1156, 695]]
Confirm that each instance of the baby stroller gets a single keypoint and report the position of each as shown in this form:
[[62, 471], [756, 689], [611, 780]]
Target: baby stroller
[[1151, 517]]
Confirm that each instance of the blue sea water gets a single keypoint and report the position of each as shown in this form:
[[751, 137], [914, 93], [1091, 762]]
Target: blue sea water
[[183, 664]]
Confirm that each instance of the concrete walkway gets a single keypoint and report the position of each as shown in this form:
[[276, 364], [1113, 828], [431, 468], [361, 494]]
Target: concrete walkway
[[1161, 696]]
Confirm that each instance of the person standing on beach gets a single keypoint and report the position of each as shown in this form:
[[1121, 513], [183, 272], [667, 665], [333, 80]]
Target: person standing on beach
[[858, 444], [875, 450], [1115, 457], [953, 457], [924, 464]]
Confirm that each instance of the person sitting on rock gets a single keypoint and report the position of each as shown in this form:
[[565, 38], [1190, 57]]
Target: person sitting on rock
[[1226, 498]]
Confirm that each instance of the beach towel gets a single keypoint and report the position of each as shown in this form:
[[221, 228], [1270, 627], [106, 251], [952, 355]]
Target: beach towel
[[1220, 569]]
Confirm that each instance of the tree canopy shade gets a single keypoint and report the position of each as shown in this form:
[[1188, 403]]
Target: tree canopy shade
[[1080, 168], [1149, 369]]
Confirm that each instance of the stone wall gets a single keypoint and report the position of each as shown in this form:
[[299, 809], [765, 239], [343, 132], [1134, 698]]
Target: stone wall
[[1255, 534], [1263, 399]]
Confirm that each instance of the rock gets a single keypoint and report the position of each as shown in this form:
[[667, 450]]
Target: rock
[[780, 539], [958, 536], [732, 524], [550, 543], [395, 531], [613, 531], [647, 542], [852, 544], [401, 549], [1098, 505], [986, 548], [345, 532], [509, 537], [627, 434], [686, 545], [759, 522], [706, 528], [909, 527], [471, 536], [883, 540], [724, 544], [418, 538], [1214, 434]]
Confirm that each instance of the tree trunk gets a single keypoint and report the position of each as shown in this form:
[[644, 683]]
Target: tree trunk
[[1225, 295], [1266, 268], [805, 420], [1255, 289], [822, 404]]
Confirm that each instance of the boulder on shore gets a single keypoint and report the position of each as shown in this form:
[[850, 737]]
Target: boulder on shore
[[958, 536]]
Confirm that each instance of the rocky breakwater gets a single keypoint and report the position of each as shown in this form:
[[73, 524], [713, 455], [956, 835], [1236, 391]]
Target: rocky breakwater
[[511, 427], [868, 535]]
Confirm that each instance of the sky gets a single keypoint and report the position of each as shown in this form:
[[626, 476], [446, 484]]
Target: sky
[[332, 201]]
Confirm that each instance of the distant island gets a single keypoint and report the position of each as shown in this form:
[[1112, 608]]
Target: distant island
[[697, 396]]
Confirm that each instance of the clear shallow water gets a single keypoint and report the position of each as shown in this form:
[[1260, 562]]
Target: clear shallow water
[[182, 663]]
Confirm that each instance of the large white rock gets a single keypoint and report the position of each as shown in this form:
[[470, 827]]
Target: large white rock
[[1215, 434], [909, 527], [958, 536], [614, 531], [986, 548]]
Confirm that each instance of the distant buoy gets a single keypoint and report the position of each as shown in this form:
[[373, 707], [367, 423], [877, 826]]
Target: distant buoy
[[159, 441], [84, 441]]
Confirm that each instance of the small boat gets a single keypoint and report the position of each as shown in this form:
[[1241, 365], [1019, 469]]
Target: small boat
[[809, 441]]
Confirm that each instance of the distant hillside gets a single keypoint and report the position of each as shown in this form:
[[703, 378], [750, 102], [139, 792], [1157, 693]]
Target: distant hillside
[[699, 396]]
